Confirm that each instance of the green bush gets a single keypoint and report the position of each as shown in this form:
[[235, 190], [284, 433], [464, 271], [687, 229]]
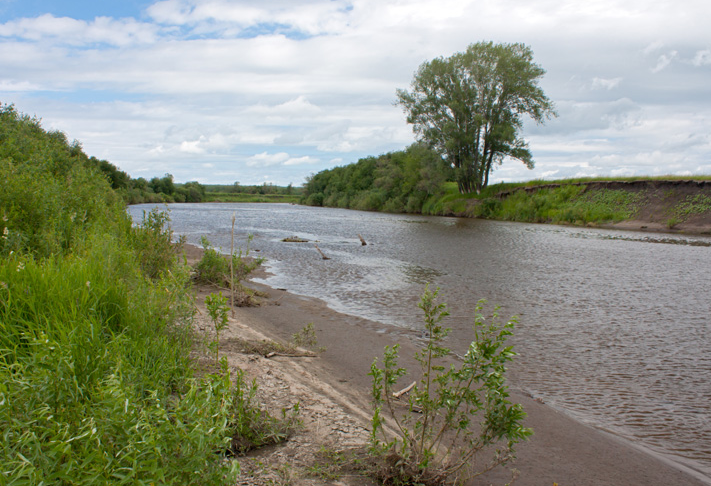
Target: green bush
[[439, 436], [251, 426], [214, 267], [96, 380]]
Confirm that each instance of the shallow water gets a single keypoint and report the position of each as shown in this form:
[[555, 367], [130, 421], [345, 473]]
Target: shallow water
[[614, 327]]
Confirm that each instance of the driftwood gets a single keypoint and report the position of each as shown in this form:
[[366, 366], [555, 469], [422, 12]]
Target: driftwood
[[290, 355], [404, 390], [322, 255], [362, 241]]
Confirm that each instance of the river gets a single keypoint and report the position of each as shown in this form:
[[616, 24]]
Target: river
[[614, 326]]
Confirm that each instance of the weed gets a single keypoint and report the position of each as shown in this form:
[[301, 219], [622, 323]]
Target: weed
[[153, 241], [672, 222], [306, 338], [254, 427], [96, 384], [696, 204], [439, 441], [214, 269], [218, 309], [328, 464]]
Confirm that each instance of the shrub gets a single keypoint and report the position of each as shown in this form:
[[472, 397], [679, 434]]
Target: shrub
[[153, 240], [251, 425], [214, 267], [439, 440], [218, 309]]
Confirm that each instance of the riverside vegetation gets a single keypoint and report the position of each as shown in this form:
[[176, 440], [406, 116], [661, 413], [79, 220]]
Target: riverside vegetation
[[417, 180], [96, 381]]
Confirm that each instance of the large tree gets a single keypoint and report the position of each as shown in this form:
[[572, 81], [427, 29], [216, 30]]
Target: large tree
[[470, 108]]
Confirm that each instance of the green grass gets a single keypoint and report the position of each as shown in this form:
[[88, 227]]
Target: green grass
[[97, 386], [96, 381], [569, 201]]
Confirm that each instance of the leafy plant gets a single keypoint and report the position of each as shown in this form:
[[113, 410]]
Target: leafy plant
[[251, 425], [439, 440], [214, 269], [306, 338], [218, 309], [96, 382], [153, 240], [328, 464]]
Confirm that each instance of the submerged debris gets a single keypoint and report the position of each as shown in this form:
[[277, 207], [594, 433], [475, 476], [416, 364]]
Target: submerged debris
[[294, 239]]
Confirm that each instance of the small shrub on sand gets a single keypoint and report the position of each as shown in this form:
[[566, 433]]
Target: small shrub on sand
[[306, 338], [214, 269], [454, 416], [254, 427]]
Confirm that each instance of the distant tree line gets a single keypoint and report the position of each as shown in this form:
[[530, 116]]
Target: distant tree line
[[394, 182], [158, 189], [266, 188]]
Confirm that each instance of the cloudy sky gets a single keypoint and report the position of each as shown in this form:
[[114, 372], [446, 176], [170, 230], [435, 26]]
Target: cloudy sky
[[220, 91]]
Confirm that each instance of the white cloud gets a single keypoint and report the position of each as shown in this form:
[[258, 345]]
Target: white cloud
[[663, 61], [608, 84], [653, 47], [192, 147], [8, 85], [216, 89], [232, 18], [702, 58], [267, 160], [65, 30], [305, 160]]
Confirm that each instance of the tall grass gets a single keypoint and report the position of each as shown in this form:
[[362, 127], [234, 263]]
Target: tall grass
[[96, 381], [96, 385]]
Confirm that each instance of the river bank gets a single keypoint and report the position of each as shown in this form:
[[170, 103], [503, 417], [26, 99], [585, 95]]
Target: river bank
[[673, 206], [561, 451]]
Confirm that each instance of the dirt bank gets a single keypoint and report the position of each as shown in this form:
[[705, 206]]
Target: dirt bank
[[333, 388], [675, 206]]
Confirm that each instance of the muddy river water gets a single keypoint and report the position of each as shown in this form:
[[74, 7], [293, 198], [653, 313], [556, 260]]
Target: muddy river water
[[614, 327]]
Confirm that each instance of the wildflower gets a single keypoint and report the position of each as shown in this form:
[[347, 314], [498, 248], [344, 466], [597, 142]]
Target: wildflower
[[5, 232], [3, 285], [88, 285], [20, 266]]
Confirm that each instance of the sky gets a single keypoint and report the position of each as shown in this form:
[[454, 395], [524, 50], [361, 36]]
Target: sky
[[272, 91]]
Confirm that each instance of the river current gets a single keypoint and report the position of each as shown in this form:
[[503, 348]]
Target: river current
[[614, 326]]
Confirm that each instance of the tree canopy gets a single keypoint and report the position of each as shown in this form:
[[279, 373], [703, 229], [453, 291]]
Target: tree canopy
[[470, 107], [394, 182]]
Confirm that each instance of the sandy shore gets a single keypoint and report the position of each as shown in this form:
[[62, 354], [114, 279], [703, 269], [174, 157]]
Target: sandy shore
[[333, 389]]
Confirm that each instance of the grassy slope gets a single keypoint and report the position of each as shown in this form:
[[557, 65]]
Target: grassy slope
[[663, 202]]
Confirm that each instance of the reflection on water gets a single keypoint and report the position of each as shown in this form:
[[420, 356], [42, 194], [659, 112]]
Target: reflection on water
[[615, 327]]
